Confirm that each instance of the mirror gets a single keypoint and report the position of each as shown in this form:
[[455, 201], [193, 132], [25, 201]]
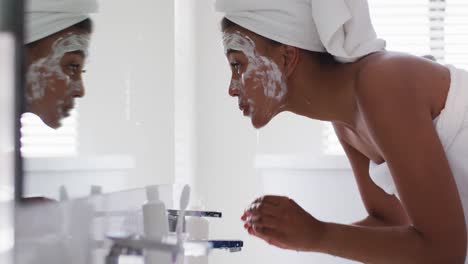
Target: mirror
[[100, 97]]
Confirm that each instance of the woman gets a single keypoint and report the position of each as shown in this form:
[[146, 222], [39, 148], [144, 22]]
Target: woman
[[402, 121], [57, 43]]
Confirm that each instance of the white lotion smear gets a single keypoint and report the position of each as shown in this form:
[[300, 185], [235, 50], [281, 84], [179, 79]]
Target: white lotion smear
[[264, 69], [236, 85]]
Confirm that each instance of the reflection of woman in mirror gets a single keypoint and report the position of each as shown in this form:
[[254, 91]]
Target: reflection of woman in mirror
[[402, 121], [57, 43]]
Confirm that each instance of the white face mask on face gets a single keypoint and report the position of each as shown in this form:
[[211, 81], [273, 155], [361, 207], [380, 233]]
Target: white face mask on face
[[273, 82], [41, 70], [42, 73], [260, 69]]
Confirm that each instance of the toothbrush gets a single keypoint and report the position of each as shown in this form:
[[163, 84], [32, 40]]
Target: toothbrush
[[184, 201]]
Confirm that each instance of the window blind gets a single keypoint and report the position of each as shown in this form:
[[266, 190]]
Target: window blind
[[420, 27], [38, 140]]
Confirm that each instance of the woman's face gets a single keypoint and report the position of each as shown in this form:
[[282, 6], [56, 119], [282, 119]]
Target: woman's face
[[54, 75], [257, 80]]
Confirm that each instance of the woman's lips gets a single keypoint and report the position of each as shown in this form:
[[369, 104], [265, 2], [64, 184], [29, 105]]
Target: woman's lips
[[67, 111], [245, 109]]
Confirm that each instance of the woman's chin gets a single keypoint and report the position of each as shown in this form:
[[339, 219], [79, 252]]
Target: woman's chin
[[53, 123], [259, 122]]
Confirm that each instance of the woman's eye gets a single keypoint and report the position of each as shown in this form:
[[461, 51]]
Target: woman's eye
[[236, 66], [74, 68]]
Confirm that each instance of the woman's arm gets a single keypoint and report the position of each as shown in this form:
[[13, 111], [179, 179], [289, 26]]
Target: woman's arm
[[372, 221], [383, 209], [399, 119]]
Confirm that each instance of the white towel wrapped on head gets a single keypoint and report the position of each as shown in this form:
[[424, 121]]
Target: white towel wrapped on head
[[340, 27], [46, 17]]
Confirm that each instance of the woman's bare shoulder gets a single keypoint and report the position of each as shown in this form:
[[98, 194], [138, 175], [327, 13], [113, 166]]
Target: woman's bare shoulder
[[394, 74], [392, 64], [387, 65], [399, 78]]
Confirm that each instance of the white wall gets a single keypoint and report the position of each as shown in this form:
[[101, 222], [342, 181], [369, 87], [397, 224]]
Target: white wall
[[185, 92], [129, 104], [7, 140], [226, 142], [7, 114]]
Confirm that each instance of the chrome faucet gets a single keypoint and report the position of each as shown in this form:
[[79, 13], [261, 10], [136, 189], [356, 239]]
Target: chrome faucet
[[173, 216], [118, 250]]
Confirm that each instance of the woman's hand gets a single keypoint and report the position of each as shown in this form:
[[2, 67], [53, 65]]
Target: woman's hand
[[283, 223]]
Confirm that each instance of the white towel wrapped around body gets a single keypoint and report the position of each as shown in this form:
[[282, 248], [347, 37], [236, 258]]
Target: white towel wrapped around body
[[340, 27], [46, 17]]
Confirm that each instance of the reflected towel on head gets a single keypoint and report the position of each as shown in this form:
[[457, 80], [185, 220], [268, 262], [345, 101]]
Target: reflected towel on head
[[340, 27], [46, 17]]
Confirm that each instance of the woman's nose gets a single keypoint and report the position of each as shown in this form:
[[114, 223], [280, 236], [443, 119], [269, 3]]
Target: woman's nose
[[78, 89], [82, 92], [233, 90]]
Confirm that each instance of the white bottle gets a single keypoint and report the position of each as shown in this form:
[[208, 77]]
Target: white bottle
[[197, 229], [63, 194], [95, 190], [156, 225]]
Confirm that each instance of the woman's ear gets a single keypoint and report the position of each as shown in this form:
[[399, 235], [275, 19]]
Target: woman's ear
[[290, 59]]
